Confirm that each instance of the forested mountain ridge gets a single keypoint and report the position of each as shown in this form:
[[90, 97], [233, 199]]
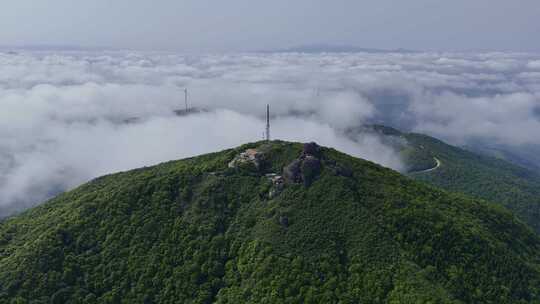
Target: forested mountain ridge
[[270, 222], [496, 180]]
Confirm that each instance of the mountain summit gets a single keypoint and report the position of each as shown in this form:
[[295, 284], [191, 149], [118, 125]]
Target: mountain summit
[[268, 222]]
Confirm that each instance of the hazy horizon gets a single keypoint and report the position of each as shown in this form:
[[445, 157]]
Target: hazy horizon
[[241, 25]]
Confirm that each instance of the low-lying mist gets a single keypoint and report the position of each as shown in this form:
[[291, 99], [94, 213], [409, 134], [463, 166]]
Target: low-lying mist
[[68, 117]]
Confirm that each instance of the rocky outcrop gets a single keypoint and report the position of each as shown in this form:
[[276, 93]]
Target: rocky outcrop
[[312, 149], [311, 168], [293, 172], [306, 168]]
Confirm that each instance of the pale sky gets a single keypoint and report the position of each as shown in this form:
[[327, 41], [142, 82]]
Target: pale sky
[[240, 25]]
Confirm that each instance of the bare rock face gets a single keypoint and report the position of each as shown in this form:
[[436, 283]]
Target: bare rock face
[[311, 168], [311, 149], [306, 168], [292, 173]]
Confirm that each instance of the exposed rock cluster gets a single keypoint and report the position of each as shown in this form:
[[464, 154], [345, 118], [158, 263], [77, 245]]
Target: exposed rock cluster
[[305, 168]]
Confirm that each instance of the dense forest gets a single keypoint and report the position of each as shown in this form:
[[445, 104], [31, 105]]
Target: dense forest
[[480, 176], [267, 223]]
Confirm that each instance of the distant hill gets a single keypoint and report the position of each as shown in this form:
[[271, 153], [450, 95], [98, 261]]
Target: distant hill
[[270, 222], [52, 47], [328, 48], [493, 179], [527, 156]]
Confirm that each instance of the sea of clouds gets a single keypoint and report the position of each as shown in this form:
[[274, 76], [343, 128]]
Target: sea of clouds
[[67, 117]]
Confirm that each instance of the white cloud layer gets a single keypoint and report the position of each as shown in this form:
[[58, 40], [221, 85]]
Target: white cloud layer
[[68, 117]]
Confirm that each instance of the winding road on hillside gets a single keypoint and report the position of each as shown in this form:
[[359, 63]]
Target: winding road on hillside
[[430, 169]]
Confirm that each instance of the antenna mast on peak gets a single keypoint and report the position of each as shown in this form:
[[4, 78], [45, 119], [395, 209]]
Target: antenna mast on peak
[[267, 122], [185, 99]]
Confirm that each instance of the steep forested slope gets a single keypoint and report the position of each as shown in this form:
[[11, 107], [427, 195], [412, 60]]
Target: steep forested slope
[[329, 228], [496, 180], [515, 187]]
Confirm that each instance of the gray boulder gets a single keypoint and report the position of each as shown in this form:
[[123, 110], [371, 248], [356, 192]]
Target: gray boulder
[[311, 149], [311, 168], [292, 173]]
